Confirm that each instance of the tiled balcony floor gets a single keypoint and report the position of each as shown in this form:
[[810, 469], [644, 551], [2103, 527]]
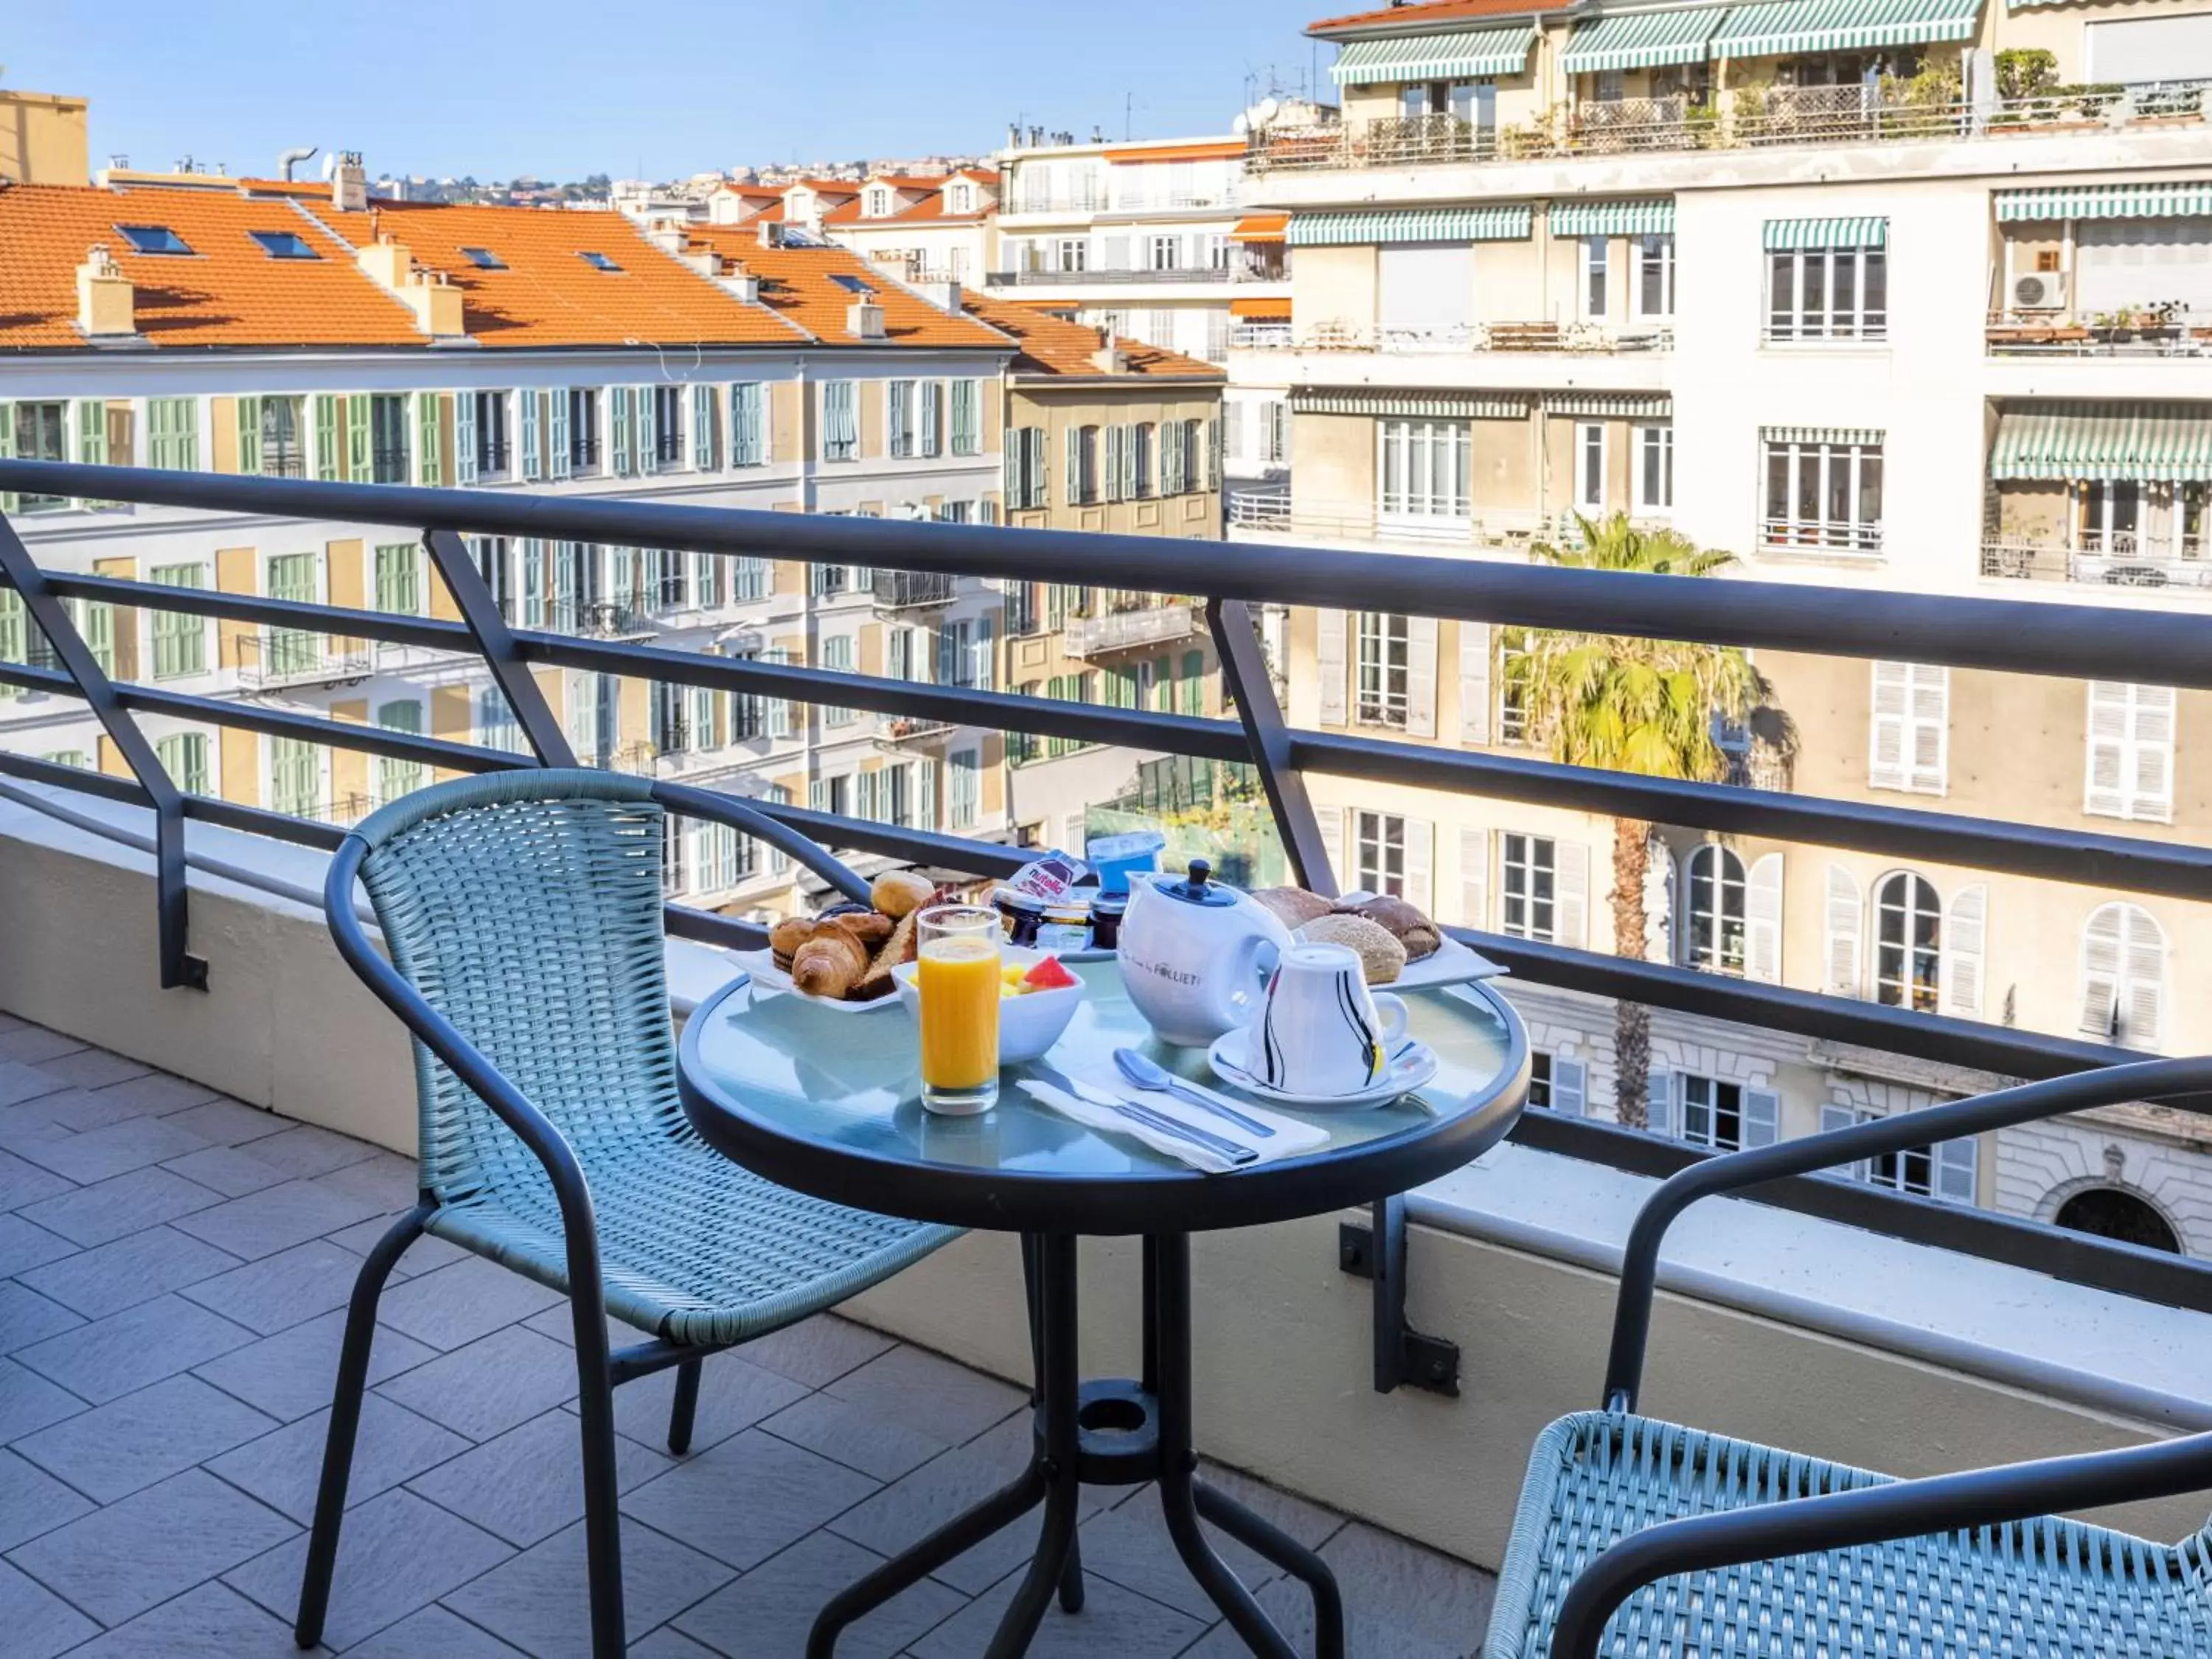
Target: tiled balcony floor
[[173, 1266]]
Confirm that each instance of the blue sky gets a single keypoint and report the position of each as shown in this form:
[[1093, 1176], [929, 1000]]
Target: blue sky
[[566, 87]]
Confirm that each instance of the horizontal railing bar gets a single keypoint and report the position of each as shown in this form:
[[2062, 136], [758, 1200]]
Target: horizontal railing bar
[[314, 728], [2131, 644], [2176, 869], [2172, 1281], [126, 790], [55, 681], [978, 858], [2003, 1050], [299, 615]]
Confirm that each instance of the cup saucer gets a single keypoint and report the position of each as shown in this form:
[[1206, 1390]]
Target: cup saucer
[[1414, 1065]]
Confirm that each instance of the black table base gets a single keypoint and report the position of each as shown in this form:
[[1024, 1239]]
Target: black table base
[[1111, 1433]]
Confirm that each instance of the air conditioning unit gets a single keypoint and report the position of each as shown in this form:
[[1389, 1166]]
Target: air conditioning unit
[[2044, 291]]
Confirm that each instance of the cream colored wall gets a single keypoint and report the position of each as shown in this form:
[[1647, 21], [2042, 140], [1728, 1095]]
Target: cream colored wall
[[42, 139], [1510, 282], [1334, 285], [1332, 462], [1195, 514], [2061, 30], [1506, 465]]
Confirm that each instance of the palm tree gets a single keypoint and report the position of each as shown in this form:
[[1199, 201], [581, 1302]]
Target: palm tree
[[1651, 707]]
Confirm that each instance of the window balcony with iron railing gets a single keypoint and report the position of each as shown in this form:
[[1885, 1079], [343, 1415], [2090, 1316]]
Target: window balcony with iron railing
[[1132, 629], [1862, 539], [915, 590], [1277, 512], [1750, 118], [1966, 1318], [2116, 559], [1573, 338], [276, 658], [1117, 277]]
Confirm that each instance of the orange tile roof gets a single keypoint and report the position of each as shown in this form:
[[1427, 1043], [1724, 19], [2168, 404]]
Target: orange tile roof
[[1439, 11], [1223, 149], [304, 188], [796, 285], [1054, 345], [227, 292], [548, 295], [929, 208]]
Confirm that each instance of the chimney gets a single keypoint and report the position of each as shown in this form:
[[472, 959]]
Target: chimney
[[1110, 358], [349, 183], [946, 296], [771, 233], [668, 237], [742, 283], [105, 301], [864, 319], [435, 301]]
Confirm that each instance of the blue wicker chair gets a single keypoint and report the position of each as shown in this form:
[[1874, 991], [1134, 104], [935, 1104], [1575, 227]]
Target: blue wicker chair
[[522, 913], [1635, 1537]]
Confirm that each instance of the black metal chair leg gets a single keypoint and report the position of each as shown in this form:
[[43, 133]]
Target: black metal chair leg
[[1054, 1567], [595, 1401], [1047, 1572], [345, 1422], [1262, 1537], [1071, 1577], [684, 1415]]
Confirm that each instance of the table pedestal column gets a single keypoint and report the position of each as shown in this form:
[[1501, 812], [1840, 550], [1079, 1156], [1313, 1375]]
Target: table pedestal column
[[1106, 1433]]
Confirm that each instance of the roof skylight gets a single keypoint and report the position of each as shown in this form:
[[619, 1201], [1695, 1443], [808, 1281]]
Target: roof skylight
[[152, 239], [850, 284], [282, 244], [597, 261], [484, 258]]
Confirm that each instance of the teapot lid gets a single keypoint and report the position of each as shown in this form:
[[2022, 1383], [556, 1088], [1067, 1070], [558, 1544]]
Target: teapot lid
[[1199, 887]]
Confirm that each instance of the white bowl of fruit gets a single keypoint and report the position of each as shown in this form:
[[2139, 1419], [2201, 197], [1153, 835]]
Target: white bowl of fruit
[[1037, 997]]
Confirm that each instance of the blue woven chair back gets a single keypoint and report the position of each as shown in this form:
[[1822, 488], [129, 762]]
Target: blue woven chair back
[[525, 907]]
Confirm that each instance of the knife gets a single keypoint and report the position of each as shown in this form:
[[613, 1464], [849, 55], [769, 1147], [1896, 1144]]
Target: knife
[[1219, 1147]]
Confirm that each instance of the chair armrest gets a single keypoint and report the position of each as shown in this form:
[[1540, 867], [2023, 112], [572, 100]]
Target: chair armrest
[[1872, 1514], [467, 1060], [728, 810], [2147, 1080]]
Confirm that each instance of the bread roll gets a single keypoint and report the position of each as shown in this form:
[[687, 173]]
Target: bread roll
[[1403, 922], [869, 926], [1293, 907], [1381, 958], [901, 947], [900, 893], [787, 936], [829, 964]]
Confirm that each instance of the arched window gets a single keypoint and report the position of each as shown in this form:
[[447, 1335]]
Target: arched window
[[2123, 977], [1908, 943], [2109, 1212], [1713, 927]]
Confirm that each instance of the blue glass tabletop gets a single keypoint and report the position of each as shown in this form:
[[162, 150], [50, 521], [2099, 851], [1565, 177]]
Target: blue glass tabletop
[[828, 1102]]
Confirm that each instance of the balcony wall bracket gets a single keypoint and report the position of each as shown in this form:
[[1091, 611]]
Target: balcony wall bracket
[[1404, 1357]]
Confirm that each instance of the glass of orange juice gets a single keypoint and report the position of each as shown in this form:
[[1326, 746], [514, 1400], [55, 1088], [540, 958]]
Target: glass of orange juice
[[958, 978]]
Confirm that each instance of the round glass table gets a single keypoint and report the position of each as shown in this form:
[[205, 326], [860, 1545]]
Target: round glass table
[[827, 1103]]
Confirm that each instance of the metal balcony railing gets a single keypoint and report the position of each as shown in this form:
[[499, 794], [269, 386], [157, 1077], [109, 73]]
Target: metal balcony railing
[[2120, 560], [279, 658], [1577, 337], [1745, 118], [915, 590], [1181, 275], [1127, 630], [2132, 644]]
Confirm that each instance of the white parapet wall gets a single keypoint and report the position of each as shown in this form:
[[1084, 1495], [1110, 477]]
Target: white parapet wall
[[1773, 1327]]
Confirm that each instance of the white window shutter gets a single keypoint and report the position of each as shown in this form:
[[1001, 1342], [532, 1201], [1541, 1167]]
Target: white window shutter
[[648, 429], [1331, 820], [704, 450], [2150, 782], [1474, 878], [1762, 916], [1762, 1118], [1329, 661], [1886, 742], [1570, 888], [1834, 1117], [2144, 959], [1966, 950], [1930, 728], [1659, 1103], [1846, 915], [464, 437], [1570, 1087], [557, 434], [1420, 677], [2104, 792], [1958, 1162], [1474, 682], [2101, 949], [1420, 858], [1075, 466]]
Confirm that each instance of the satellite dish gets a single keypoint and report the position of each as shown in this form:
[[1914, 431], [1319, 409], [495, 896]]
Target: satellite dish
[[1266, 110], [330, 164], [1241, 125]]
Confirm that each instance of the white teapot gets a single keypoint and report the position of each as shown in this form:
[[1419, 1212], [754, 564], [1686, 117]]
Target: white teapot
[[1194, 954]]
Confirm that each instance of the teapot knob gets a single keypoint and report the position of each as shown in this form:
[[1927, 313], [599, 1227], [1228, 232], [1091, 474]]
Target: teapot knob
[[1200, 872]]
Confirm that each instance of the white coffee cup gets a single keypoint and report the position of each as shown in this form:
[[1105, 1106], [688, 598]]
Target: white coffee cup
[[1321, 1031]]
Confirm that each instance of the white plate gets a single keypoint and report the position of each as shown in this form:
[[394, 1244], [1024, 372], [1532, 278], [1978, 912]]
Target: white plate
[[771, 980], [1451, 963], [1415, 1064]]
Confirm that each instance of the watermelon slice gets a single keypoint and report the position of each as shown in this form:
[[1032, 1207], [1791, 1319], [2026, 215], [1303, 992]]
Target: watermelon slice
[[1049, 976]]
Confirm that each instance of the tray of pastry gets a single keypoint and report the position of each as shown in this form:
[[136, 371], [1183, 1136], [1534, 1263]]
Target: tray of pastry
[[1396, 944], [842, 958]]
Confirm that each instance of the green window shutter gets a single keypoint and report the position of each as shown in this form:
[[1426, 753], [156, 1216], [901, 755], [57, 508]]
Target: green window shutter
[[290, 650], [932, 394], [398, 583], [15, 637], [396, 779], [294, 778], [358, 467], [1075, 466], [249, 435], [327, 437], [532, 463], [464, 437], [429, 463], [705, 452], [647, 404], [92, 431], [7, 453], [557, 435], [618, 403], [1194, 682], [184, 757], [98, 623], [179, 640]]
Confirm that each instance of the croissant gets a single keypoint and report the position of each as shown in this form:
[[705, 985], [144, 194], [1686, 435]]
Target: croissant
[[829, 964]]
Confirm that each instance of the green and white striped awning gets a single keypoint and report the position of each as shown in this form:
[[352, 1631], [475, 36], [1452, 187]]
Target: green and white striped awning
[[1863, 436], [1642, 40], [1618, 405], [1417, 405], [1650, 215], [1466, 57], [2142, 199], [2169, 443], [1826, 233], [1784, 28], [1483, 224]]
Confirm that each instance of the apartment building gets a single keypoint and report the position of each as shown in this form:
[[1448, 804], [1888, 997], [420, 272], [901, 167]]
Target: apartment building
[[1101, 435], [42, 138], [1904, 298], [937, 229], [307, 331], [1152, 241]]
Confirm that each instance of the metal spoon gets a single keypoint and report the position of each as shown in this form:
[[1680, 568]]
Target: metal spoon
[[1149, 1075]]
